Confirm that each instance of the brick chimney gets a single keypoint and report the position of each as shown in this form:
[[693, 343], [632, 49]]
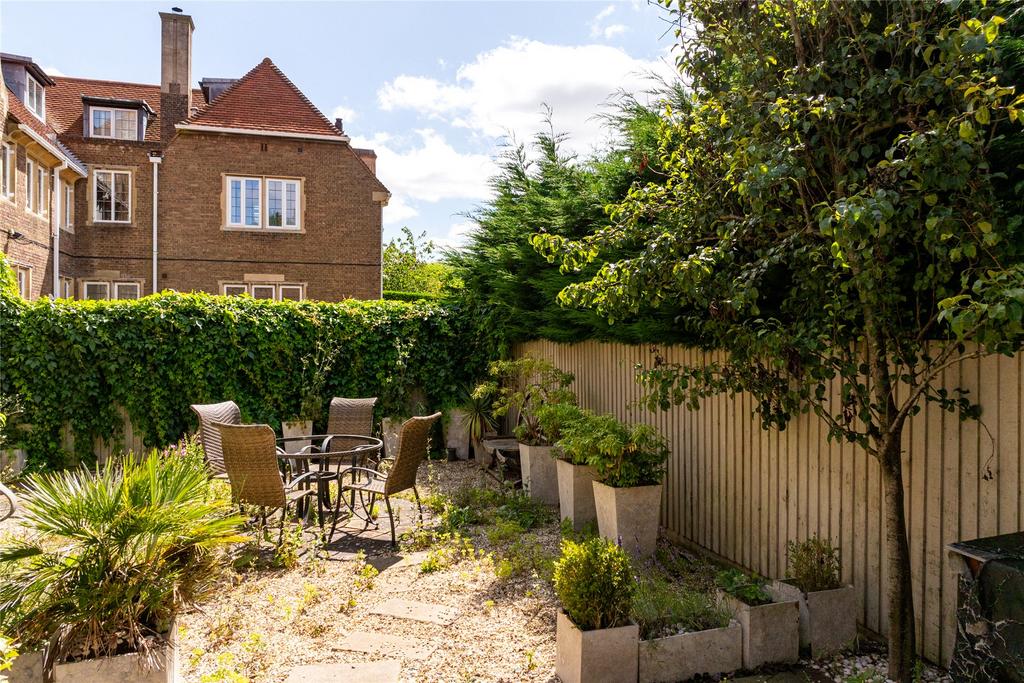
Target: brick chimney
[[175, 71]]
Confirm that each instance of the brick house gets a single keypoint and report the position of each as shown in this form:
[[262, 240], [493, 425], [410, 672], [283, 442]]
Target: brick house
[[117, 190]]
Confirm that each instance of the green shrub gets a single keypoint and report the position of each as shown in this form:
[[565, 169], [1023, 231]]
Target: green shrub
[[114, 554], [392, 295], [814, 564], [554, 418], [662, 609], [520, 387], [594, 582], [8, 279], [8, 653], [76, 363], [623, 455], [746, 588]]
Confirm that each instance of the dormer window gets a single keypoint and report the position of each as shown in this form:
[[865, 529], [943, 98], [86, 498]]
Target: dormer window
[[117, 124], [35, 97]]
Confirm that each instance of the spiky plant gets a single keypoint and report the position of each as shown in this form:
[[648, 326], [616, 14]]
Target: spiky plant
[[112, 555]]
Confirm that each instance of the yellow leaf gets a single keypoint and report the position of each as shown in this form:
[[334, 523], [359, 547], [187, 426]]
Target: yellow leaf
[[985, 226]]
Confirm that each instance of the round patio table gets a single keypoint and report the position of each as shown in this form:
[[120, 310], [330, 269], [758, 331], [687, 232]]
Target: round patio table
[[326, 457]]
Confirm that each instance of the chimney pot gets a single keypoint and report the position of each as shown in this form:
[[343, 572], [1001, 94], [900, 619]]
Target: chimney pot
[[340, 125]]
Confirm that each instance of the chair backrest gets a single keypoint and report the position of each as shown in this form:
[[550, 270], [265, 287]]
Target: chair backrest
[[208, 413], [351, 416], [250, 458], [413, 441]]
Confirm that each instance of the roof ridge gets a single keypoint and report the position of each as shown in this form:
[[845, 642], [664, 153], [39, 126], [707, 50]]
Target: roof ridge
[[302, 95], [225, 91], [106, 80]]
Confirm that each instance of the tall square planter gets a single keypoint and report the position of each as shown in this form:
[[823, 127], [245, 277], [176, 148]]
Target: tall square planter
[[607, 655], [629, 516], [771, 633], [576, 493], [681, 657], [28, 667], [828, 619], [540, 478]]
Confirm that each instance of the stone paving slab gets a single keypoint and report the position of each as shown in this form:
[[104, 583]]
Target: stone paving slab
[[384, 644], [383, 671], [383, 562], [417, 611]]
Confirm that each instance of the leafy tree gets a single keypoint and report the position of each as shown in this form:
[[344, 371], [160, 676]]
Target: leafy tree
[[541, 186], [839, 210], [407, 268]]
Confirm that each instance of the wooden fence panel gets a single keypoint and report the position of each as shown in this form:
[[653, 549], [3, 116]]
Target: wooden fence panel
[[743, 492]]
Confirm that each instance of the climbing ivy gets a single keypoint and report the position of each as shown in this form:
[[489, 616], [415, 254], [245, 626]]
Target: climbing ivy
[[77, 363]]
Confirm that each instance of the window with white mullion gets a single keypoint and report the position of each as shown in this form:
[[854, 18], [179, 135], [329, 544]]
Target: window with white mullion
[[35, 98], [116, 124], [244, 199], [69, 207], [112, 196], [263, 203]]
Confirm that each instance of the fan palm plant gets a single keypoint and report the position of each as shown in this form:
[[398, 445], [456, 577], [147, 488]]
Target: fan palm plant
[[113, 554]]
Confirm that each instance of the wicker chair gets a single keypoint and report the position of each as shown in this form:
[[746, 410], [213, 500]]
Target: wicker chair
[[401, 476], [250, 458], [226, 412], [351, 416]]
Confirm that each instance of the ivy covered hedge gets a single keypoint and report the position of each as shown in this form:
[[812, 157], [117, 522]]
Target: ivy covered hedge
[[74, 362]]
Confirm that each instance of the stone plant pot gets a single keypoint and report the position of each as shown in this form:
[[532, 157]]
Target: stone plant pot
[[389, 429], [291, 428], [28, 668], [828, 619], [629, 516], [540, 478], [607, 655], [771, 633], [576, 493], [456, 433], [681, 657]]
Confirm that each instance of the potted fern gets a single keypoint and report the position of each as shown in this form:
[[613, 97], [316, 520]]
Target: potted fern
[[595, 641], [114, 555], [828, 609], [520, 387], [770, 623], [628, 462], [683, 632]]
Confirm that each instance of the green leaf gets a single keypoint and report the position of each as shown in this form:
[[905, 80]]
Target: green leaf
[[966, 131]]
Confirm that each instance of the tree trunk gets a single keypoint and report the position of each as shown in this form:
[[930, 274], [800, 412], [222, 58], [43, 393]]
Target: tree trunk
[[902, 636]]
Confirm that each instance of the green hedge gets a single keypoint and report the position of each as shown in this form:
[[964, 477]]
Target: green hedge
[[74, 362], [393, 295]]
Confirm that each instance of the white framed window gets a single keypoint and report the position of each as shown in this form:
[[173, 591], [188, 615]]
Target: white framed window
[[261, 203], [30, 175], [42, 194], [126, 290], [35, 97], [112, 196], [68, 209], [67, 288], [92, 289], [24, 275], [8, 162], [265, 290], [116, 124]]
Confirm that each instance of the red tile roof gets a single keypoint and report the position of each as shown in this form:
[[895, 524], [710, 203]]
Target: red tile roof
[[64, 102], [264, 99], [17, 109]]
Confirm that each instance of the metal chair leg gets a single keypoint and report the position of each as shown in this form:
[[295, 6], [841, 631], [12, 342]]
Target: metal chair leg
[[391, 520], [418, 503]]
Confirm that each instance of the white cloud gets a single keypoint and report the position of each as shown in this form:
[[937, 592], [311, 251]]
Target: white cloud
[[457, 236], [503, 90], [398, 211], [610, 32], [343, 112], [53, 71], [429, 168], [599, 30]]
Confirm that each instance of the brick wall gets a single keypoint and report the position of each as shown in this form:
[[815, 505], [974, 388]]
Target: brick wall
[[33, 248]]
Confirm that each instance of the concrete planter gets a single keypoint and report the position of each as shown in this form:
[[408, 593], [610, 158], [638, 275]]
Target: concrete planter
[[681, 657], [294, 428], [607, 655], [828, 619], [576, 493], [389, 428], [771, 633], [629, 516], [28, 668], [456, 433], [540, 478]]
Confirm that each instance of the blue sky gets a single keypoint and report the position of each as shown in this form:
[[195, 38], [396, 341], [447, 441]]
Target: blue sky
[[434, 87]]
